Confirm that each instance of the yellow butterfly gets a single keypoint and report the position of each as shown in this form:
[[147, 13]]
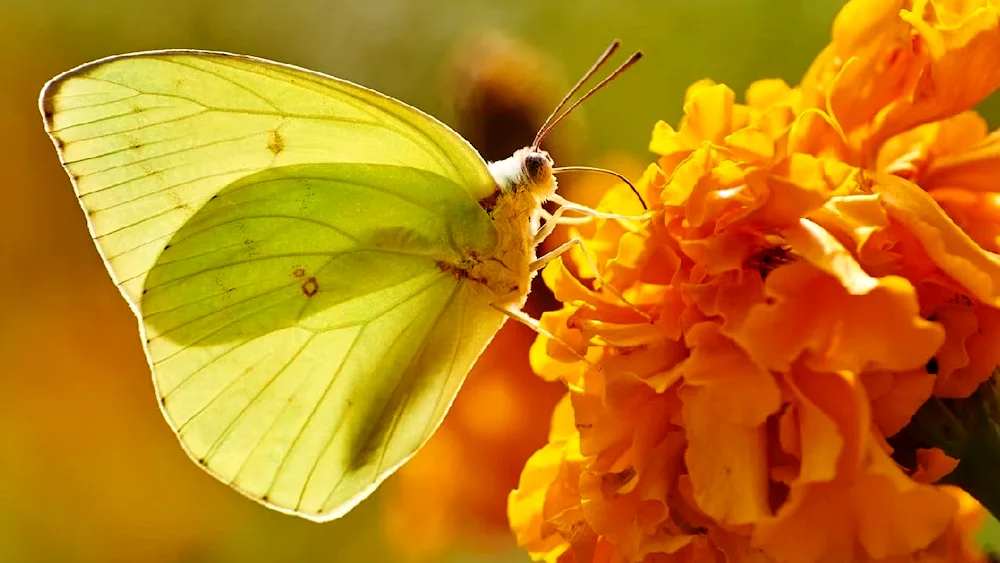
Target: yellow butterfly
[[315, 266]]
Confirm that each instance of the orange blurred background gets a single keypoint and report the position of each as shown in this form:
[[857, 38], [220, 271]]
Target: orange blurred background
[[88, 469]]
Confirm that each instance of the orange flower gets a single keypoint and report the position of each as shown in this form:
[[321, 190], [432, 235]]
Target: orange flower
[[820, 263]]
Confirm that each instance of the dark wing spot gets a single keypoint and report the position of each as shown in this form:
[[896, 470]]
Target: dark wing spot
[[213, 197], [59, 144], [136, 108], [299, 272], [133, 142], [932, 366], [163, 401], [265, 498], [275, 143], [47, 109], [201, 461], [311, 287]]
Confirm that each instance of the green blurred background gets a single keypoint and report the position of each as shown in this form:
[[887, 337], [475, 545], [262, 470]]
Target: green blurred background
[[88, 469]]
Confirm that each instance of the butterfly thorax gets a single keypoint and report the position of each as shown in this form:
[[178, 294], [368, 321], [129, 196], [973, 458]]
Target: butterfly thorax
[[524, 182]]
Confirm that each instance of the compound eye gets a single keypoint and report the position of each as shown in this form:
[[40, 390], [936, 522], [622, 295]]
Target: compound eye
[[536, 165]]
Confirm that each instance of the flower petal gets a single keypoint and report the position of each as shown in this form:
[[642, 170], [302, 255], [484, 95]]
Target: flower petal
[[948, 246]]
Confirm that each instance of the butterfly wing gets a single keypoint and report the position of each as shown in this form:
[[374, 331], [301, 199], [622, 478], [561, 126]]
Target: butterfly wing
[[281, 236]]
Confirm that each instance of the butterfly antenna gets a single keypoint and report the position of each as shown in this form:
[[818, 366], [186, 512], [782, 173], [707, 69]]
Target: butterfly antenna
[[550, 123], [576, 88], [603, 171]]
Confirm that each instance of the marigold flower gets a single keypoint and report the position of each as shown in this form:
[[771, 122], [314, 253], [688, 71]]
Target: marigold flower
[[819, 264]]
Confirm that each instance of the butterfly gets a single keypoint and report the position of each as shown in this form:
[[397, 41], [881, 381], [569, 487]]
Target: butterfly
[[315, 266]]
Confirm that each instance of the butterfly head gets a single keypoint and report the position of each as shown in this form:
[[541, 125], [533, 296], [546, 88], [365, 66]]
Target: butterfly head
[[529, 169], [536, 165]]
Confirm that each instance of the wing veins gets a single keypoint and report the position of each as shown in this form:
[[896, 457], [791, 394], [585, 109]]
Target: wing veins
[[206, 337], [336, 430], [309, 220], [270, 427], [132, 249], [201, 255], [202, 339], [239, 262], [374, 187], [229, 428], [120, 115], [257, 95], [155, 156], [207, 298], [329, 386], [112, 82], [82, 94], [219, 310], [454, 356], [399, 119], [94, 105], [409, 391], [392, 428], [155, 192], [298, 434], [324, 89]]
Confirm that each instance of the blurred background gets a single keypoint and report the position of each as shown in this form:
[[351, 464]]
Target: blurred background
[[89, 471]]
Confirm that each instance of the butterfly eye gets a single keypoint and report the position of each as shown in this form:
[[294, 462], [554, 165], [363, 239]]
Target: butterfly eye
[[537, 165]]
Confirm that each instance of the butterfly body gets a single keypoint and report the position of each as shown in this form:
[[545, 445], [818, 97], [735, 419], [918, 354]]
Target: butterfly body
[[524, 183]]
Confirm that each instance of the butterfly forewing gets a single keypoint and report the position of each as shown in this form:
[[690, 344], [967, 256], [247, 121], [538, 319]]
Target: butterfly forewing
[[149, 138]]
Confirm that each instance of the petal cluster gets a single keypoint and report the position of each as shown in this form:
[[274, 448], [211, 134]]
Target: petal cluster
[[821, 261]]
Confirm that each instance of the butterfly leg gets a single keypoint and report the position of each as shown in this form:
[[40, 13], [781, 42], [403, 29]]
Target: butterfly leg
[[560, 220], [564, 248], [535, 325], [571, 206], [552, 220]]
